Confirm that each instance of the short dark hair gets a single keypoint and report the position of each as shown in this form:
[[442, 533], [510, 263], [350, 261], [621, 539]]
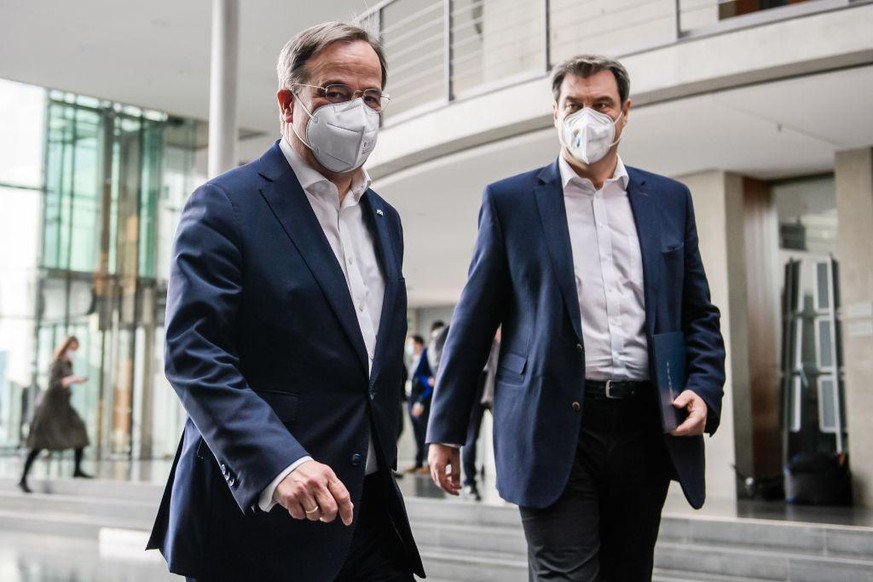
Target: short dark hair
[[417, 339], [291, 67], [439, 323], [587, 65]]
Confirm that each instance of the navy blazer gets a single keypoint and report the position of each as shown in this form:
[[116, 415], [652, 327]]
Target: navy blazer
[[522, 277], [264, 349]]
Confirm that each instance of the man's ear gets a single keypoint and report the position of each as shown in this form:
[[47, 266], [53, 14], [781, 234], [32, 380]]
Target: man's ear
[[555, 113], [285, 98], [626, 111]]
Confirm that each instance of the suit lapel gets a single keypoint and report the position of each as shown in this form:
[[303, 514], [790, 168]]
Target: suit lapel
[[549, 195], [287, 200], [646, 217], [386, 254]]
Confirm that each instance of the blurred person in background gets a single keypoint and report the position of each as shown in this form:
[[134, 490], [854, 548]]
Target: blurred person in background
[[438, 333], [56, 425], [482, 402], [418, 399]]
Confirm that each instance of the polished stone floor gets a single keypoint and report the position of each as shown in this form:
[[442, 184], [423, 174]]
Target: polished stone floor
[[44, 558], [28, 557]]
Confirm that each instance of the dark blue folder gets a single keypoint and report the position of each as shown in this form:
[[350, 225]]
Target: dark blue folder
[[670, 374]]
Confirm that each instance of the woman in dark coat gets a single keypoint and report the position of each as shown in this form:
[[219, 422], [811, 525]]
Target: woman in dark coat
[[56, 426]]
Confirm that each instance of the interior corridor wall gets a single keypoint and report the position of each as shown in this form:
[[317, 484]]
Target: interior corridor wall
[[717, 200]]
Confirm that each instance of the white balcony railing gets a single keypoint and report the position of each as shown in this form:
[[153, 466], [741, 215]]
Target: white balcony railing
[[442, 50]]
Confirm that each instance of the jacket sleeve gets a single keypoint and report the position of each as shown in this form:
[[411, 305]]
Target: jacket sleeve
[[700, 322], [246, 437], [475, 320]]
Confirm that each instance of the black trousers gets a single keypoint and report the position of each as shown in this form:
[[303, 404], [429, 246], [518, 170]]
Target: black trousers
[[604, 526], [468, 451], [376, 553], [419, 430]]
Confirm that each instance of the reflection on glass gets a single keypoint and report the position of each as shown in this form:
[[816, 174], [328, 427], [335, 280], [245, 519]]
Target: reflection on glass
[[827, 404], [824, 344], [92, 222], [823, 285]]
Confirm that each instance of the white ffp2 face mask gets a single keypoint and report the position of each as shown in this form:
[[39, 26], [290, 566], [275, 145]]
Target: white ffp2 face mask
[[588, 134], [341, 135]]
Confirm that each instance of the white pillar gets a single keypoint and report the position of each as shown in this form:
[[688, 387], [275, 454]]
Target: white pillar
[[718, 206], [853, 173], [223, 86]]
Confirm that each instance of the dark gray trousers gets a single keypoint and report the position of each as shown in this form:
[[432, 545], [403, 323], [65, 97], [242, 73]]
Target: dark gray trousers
[[604, 526]]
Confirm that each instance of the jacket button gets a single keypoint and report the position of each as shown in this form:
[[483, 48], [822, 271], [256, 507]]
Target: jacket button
[[579, 348], [576, 406], [356, 460], [231, 481]]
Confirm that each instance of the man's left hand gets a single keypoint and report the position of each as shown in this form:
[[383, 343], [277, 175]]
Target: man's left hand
[[695, 424], [445, 467]]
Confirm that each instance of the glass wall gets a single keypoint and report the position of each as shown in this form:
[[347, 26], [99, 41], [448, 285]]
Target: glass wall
[[100, 209], [22, 109]]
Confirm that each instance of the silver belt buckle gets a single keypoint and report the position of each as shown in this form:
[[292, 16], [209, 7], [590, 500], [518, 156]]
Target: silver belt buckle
[[609, 391]]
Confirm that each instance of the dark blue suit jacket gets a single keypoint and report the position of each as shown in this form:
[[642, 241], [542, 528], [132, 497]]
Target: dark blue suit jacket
[[264, 349], [522, 277]]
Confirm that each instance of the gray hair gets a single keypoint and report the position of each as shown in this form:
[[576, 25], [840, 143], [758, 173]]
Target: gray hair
[[587, 65], [291, 67]]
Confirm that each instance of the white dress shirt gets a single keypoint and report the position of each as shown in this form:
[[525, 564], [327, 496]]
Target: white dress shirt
[[352, 244], [608, 266]]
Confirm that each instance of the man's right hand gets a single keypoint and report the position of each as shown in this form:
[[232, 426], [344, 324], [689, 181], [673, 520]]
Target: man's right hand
[[440, 458], [312, 491]]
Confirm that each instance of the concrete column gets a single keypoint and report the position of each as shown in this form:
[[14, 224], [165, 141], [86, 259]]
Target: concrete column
[[223, 86], [853, 173], [718, 202]]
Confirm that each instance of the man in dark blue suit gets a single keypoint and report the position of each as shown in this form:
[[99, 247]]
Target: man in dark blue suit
[[286, 319], [582, 262]]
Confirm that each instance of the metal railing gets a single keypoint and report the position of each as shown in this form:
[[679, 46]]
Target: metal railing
[[443, 50]]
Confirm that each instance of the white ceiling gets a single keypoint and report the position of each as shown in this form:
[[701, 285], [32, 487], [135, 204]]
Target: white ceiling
[[155, 54]]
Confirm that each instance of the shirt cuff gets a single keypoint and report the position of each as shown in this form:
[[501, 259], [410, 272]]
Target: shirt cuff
[[265, 501]]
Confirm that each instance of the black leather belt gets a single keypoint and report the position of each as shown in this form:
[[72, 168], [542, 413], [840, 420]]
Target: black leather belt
[[613, 390]]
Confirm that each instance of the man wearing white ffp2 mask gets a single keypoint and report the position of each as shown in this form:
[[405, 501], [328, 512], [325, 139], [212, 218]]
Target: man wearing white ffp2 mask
[[588, 135], [588, 120], [589, 267], [341, 135], [285, 468], [333, 125]]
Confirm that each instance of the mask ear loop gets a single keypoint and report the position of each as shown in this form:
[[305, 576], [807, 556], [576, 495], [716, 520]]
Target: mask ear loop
[[614, 123], [303, 141]]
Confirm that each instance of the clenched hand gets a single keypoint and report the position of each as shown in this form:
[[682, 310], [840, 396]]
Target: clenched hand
[[312, 491]]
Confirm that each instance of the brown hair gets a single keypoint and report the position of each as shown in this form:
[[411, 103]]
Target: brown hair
[[587, 65], [62, 347], [291, 67]]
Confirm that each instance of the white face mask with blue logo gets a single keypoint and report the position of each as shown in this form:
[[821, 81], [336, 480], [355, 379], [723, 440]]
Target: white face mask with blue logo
[[588, 135]]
